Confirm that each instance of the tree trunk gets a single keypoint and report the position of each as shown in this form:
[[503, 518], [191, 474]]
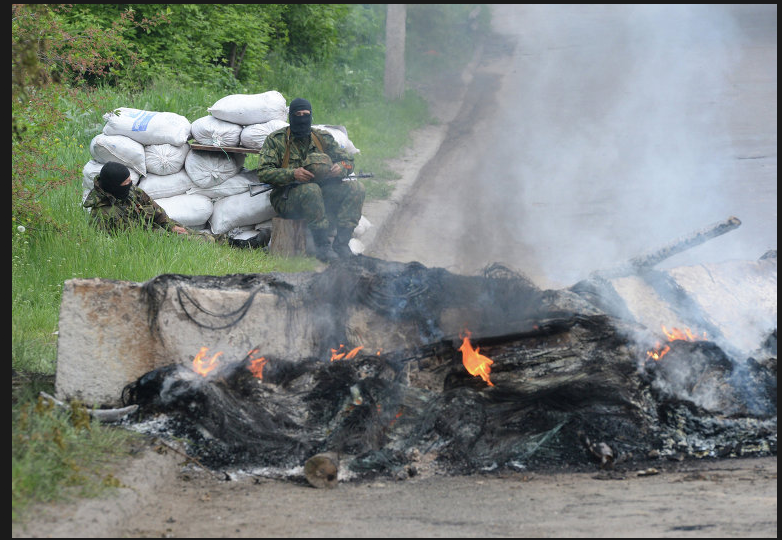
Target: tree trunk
[[237, 63], [395, 51]]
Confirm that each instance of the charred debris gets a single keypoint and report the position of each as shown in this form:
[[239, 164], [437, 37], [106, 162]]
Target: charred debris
[[568, 384]]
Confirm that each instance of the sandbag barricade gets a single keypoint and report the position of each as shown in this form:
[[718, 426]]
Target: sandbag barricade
[[203, 190]]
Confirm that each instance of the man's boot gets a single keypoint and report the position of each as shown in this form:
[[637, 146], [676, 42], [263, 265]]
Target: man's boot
[[323, 250], [342, 242]]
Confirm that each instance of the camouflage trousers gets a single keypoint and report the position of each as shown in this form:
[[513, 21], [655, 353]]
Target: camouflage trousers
[[323, 205]]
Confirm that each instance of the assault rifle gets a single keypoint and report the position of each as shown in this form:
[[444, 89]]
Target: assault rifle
[[268, 187]]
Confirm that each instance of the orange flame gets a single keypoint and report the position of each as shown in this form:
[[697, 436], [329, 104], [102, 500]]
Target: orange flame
[[204, 367], [256, 364], [675, 334], [684, 335], [657, 353], [476, 363], [339, 354]]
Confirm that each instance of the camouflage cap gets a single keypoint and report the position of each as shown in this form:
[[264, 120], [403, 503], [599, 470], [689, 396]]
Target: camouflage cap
[[318, 164]]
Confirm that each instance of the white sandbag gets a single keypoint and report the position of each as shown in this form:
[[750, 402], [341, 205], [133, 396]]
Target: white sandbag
[[254, 135], [356, 246], [209, 169], [92, 169], [233, 186], [239, 211], [215, 132], [163, 186], [163, 159], [105, 148], [189, 210], [362, 227], [340, 135], [246, 109], [148, 127]]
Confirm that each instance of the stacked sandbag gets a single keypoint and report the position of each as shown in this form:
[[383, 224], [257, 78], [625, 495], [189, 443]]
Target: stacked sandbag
[[248, 109], [254, 135], [210, 169], [202, 189], [190, 210], [234, 185], [165, 159], [169, 185], [153, 145], [212, 131], [148, 127], [340, 134], [241, 210], [105, 148]]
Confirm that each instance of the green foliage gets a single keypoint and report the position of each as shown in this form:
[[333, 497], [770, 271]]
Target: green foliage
[[46, 71], [75, 50], [226, 42], [312, 30]]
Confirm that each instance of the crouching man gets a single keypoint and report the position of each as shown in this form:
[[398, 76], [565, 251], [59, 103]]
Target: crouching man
[[115, 203]]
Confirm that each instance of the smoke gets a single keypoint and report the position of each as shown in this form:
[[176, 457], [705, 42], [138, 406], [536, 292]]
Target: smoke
[[618, 134]]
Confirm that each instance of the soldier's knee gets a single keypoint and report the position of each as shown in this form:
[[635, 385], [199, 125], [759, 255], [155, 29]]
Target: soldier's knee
[[358, 188], [310, 190], [357, 192]]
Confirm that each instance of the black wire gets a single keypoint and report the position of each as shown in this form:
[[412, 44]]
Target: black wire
[[243, 309]]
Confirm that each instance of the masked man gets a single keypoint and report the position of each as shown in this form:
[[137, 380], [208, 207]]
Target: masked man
[[306, 166], [115, 203]]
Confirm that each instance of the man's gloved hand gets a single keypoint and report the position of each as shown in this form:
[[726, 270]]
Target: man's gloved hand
[[302, 175]]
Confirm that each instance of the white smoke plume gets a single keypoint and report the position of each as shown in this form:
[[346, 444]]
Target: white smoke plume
[[634, 125]]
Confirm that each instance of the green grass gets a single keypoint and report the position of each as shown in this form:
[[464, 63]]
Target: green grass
[[43, 260], [61, 453]]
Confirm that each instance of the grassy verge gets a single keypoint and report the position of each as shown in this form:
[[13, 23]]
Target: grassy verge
[[59, 454]]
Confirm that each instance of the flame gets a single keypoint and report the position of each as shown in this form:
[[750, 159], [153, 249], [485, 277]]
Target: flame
[[657, 353], [339, 354], [673, 335], [256, 364], [476, 363], [204, 367], [684, 335]]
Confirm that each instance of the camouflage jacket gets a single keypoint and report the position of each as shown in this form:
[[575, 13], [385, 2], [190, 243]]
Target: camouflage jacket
[[112, 214], [272, 155]]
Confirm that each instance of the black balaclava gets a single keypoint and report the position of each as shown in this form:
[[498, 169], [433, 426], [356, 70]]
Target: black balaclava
[[300, 125], [111, 176]]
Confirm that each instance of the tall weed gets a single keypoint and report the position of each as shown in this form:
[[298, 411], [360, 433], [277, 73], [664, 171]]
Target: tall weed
[[61, 452]]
